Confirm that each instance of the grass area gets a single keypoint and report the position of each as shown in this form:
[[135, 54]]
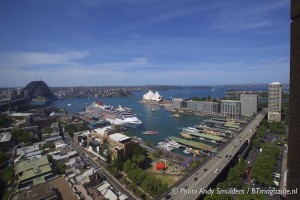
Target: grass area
[[170, 180]]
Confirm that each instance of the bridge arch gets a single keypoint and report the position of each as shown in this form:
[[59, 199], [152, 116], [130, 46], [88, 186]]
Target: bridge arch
[[35, 89]]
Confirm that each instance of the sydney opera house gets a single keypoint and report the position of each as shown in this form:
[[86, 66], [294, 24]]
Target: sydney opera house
[[150, 96]]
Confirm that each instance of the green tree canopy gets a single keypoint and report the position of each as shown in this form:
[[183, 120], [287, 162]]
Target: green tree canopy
[[8, 174], [5, 121], [22, 135]]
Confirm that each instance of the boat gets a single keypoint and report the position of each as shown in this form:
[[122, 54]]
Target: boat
[[176, 115], [165, 146], [191, 129], [174, 144], [119, 116], [69, 104], [186, 151], [153, 109], [150, 132]]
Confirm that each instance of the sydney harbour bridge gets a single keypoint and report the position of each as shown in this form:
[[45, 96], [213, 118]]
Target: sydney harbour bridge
[[32, 90]]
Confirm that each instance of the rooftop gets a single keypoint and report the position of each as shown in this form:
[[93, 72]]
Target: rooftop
[[194, 144], [20, 114], [100, 131], [275, 83], [213, 121], [5, 137], [63, 188], [119, 137], [41, 191], [32, 168], [34, 147], [207, 136]]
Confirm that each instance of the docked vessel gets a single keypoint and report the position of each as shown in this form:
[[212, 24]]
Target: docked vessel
[[119, 116], [165, 146], [150, 132]]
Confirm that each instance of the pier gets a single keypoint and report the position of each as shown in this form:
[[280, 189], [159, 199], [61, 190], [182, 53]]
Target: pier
[[206, 136], [194, 144]]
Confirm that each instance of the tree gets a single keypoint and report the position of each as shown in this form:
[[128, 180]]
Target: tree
[[22, 136], [259, 197], [265, 165], [61, 168], [138, 159], [137, 175], [218, 197], [139, 150], [70, 129], [127, 166], [114, 172], [2, 156], [117, 163], [50, 158], [245, 197], [48, 130], [234, 178], [8, 174], [5, 121]]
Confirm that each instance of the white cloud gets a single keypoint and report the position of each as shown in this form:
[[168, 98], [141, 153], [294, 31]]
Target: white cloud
[[23, 59]]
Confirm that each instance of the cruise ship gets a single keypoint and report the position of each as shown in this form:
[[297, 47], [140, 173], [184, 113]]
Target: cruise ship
[[119, 116]]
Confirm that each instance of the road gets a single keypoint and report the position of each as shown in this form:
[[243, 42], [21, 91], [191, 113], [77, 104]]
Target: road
[[206, 174], [116, 185]]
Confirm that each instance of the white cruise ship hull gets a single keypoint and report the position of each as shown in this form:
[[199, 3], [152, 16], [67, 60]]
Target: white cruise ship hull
[[125, 123]]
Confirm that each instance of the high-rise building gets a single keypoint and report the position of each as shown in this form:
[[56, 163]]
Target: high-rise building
[[248, 104], [230, 108], [274, 102]]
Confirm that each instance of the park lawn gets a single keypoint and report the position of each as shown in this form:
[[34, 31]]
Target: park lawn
[[170, 180]]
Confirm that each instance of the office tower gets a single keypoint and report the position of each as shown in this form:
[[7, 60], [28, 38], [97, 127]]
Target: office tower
[[274, 102], [248, 104], [230, 108]]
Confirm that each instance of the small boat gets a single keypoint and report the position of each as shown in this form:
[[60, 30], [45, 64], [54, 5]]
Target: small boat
[[176, 115], [150, 132], [153, 109], [69, 104], [186, 151]]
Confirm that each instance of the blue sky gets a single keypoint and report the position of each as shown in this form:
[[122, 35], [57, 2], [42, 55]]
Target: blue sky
[[141, 42]]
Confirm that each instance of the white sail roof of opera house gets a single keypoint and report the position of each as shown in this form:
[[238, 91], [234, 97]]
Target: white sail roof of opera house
[[152, 96]]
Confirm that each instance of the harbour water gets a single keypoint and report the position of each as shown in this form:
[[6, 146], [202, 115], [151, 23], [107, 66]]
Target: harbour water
[[160, 120]]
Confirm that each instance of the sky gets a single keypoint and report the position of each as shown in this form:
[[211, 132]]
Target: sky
[[144, 42]]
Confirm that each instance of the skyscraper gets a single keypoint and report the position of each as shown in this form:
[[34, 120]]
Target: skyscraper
[[274, 102]]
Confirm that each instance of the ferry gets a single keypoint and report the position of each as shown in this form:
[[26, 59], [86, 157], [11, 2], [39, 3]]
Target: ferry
[[150, 132], [119, 116], [191, 129]]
